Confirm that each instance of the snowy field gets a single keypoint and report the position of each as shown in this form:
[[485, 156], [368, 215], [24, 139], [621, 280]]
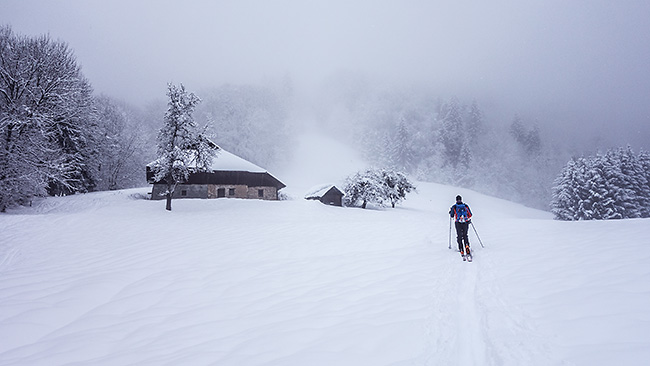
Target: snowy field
[[113, 279]]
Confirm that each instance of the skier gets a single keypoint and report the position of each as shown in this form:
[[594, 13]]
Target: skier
[[463, 217]]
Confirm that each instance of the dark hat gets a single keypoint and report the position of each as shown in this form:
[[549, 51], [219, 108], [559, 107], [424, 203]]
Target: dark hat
[[459, 198]]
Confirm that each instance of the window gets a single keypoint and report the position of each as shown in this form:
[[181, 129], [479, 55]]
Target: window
[[231, 191], [260, 193], [221, 192], [183, 193]]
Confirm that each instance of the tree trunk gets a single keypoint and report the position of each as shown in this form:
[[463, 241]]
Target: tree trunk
[[170, 191], [363, 205], [168, 207]]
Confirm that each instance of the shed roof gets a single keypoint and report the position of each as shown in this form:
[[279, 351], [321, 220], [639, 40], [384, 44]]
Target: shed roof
[[319, 191]]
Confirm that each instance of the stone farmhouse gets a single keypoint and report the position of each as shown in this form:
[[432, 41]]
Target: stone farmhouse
[[230, 176]]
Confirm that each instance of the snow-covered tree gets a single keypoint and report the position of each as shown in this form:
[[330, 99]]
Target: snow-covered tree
[[180, 148], [119, 145], [600, 203], [452, 133], [379, 186], [365, 187], [644, 183], [529, 140], [517, 129], [633, 180], [603, 187], [249, 121], [615, 184], [563, 203], [45, 120], [400, 149], [397, 186], [474, 123]]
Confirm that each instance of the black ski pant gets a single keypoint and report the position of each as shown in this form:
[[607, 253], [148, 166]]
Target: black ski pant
[[461, 235]]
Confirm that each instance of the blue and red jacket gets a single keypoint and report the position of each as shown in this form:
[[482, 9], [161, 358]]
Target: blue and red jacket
[[460, 212]]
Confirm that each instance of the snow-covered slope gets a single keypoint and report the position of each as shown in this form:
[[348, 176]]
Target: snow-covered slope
[[113, 279]]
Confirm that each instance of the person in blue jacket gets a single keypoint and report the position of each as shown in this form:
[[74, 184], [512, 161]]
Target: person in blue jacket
[[462, 215]]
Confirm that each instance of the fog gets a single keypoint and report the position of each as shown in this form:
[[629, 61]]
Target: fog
[[579, 68]]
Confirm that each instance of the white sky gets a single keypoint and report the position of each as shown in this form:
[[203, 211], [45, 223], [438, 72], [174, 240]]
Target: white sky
[[579, 62]]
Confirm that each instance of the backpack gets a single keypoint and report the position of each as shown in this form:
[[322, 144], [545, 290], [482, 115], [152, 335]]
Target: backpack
[[461, 212]]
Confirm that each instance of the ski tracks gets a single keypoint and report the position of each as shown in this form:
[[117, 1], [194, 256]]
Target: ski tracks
[[470, 342], [505, 334], [453, 328], [472, 324]]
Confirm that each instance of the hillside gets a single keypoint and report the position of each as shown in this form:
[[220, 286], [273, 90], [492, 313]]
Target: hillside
[[112, 279]]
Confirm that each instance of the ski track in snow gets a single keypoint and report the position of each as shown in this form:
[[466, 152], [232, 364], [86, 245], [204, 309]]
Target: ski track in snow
[[108, 279], [470, 338], [467, 326]]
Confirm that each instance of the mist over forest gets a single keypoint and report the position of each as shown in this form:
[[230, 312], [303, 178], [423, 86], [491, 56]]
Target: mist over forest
[[421, 131], [496, 98]]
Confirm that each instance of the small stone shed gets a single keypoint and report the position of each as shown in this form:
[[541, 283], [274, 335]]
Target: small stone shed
[[327, 194], [230, 177]]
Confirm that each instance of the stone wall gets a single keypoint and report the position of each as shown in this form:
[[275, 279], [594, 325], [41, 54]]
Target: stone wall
[[266, 193], [215, 191]]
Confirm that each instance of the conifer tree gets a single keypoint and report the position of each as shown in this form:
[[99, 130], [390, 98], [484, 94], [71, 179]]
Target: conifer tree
[[603, 187], [401, 151], [643, 174], [452, 134], [632, 181], [564, 196], [474, 122], [601, 203]]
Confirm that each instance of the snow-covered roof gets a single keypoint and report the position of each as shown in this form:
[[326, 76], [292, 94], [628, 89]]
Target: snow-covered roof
[[225, 160], [319, 191]]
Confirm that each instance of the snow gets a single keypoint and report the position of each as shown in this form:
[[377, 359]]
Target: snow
[[110, 278], [225, 160]]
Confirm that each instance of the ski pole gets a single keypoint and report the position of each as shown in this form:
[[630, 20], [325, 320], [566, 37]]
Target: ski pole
[[450, 233], [475, 232]]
